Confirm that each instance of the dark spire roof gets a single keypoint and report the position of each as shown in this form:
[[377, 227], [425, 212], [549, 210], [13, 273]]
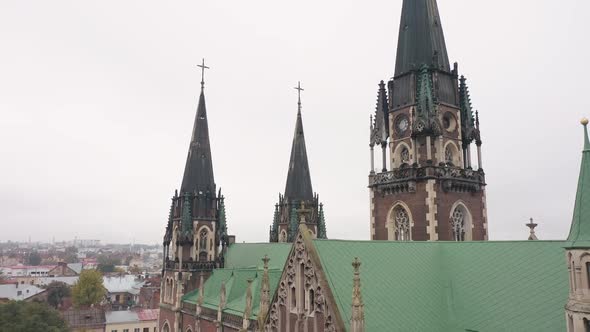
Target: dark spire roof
[[198, 172], [421, 40], [298, 179]]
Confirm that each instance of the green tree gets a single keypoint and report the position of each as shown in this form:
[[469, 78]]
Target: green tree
[[34, 258], [30, 317], [107, 263], [71, 255], [89, 289], [56, 292]]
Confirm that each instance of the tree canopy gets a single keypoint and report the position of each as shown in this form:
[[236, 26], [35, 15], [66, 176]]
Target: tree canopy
[[107, 263], [56, 292], [34, 258], [30, 317], [89, 289]]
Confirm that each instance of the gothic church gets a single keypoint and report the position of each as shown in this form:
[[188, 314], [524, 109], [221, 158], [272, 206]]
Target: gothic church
[[428, 265]]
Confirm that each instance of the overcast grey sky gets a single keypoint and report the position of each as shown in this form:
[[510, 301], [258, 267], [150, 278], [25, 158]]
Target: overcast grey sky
[[97, 101]]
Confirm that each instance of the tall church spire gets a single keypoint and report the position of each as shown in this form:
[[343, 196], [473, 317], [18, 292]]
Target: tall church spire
[[298, 178], [430, 126], [198, 172], [299, 205], [421, 40]]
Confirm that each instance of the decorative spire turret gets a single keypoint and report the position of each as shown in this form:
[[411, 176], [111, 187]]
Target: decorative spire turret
[[264, 293], [357, 320], [426, 122], [468, 132], [248, 307], [322, 234], [274, 228], [380, 128], [293, 224], [186, 221], [221, 305]]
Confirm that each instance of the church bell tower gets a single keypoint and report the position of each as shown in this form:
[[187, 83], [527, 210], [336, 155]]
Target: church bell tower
[[427, 188], [196, 232]]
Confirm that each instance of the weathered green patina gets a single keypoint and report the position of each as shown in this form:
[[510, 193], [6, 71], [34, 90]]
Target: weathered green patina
[[579, 236], [451, 286]]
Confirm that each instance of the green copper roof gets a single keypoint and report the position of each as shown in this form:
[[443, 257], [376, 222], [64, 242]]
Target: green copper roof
[[241, 255], [451, 286], [579, 236], [243, 263]]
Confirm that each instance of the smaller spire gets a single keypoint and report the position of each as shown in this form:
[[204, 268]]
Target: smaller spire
[[321, 223], [579, 236], [187, 220], [532, 226], [201, 297], [293, 224], [357, 320], [221, 305], [298, 185], [380, 128], [264, 293], [248, 308]]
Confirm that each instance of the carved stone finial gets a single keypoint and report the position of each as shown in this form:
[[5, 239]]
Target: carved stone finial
[[248, 309], [221, 301], [357, 320], [264, 294], [532, 226], [201, 298]]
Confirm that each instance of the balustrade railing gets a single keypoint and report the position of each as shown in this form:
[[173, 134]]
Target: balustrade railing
[[428, 172]]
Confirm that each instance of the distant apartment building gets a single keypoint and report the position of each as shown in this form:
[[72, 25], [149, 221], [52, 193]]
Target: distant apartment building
[[144, 320]]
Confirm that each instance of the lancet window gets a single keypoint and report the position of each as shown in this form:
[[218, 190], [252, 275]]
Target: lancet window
[[402, 224], [203, 240], [405, 155], [448, 155], [458, 224]]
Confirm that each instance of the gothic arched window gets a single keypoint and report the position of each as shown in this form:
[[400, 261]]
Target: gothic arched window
[[458, 224], [402, 224], [448, 155], [405, 155], [203, 240]]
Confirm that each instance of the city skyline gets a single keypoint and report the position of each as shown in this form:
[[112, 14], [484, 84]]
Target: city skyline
[[98, 118]]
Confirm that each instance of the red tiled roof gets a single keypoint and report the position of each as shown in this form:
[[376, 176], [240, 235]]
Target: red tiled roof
[[17, 267], [148, 314]]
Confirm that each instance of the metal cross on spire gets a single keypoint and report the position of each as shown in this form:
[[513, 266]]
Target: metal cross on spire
[[203, 67], [299, 89]]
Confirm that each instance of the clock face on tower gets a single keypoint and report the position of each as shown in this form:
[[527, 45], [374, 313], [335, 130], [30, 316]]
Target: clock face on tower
[[402, 124]]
